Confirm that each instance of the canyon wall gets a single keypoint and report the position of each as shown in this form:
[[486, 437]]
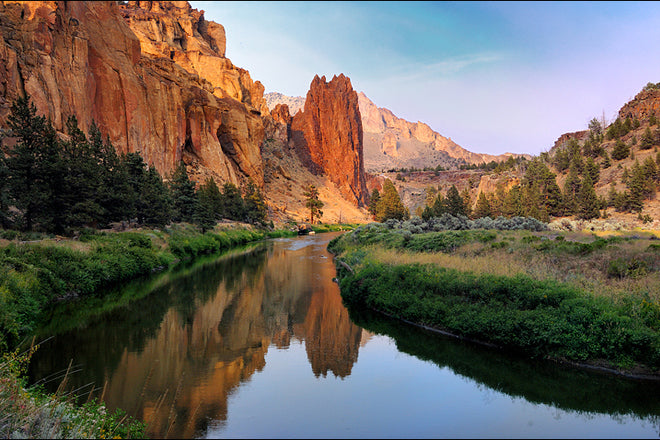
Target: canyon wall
[[146, 90]]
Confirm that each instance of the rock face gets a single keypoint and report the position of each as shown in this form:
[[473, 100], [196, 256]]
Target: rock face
[[145, 85], [174, 30], [327, 135], [642, 105], [564, 138]]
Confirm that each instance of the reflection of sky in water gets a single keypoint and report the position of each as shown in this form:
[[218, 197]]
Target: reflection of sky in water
[[392, 394]]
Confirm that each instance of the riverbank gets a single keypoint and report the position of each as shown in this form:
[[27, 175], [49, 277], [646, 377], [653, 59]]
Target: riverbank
[[570, 297], [34, 274]]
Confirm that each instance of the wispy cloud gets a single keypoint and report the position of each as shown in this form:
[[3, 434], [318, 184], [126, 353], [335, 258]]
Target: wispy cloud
[[445, 68]]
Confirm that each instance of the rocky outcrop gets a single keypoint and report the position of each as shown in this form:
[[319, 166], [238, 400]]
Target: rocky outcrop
[[564, 138], [176, 31], [146, 92], [642, 106], [327, 135]]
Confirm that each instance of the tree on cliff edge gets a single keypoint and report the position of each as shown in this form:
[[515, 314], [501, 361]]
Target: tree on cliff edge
[[313, 203]]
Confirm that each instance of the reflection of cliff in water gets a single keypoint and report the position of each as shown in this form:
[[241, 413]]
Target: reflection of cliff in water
[[543, 382], [173, 358]]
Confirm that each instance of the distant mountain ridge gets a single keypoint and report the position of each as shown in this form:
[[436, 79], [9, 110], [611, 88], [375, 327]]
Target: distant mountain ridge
[[393, 142]]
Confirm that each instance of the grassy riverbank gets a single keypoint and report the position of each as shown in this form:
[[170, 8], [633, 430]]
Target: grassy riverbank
[[34, 274], [574, 297]]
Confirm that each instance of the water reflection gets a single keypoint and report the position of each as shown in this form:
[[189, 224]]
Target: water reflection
[[175, 353], [173, 357], [542, 382]]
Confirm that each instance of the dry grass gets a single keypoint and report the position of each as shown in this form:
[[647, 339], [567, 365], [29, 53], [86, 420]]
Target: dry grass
[[586, 272]]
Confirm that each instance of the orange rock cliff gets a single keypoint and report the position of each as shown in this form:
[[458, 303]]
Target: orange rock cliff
[[154, 77], [328, 135]]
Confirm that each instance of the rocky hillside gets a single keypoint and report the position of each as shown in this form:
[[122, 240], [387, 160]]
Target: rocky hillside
[[154, 77]]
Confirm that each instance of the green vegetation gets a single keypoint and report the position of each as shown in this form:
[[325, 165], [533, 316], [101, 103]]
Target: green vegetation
[[313, 203], [31, 413], [389, 205], [32, 275], [574, 298], [62, 186]]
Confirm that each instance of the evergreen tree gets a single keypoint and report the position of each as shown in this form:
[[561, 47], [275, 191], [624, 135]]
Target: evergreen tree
[[620, 150], [589, 206], [115, 194], [571, 192], [5, 220], [439, 205], [81, 183], [390, 205], [184, 198], [313, 203], [208, 197], [156, 200], [455, 203], [592, 169], [467, 203], [513, 202], [483, 206], [25, 161], [373, 201], [209, 194], [255, 206], [234, 208], [606, 160], [647, 140]]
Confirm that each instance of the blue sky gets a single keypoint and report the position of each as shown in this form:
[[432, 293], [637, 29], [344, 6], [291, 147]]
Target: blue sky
[[493, 76]]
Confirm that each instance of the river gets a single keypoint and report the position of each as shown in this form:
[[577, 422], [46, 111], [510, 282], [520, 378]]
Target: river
[[257, 343]]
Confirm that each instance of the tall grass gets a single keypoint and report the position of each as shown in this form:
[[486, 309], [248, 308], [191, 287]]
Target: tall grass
[[31, 413], [533, 292]]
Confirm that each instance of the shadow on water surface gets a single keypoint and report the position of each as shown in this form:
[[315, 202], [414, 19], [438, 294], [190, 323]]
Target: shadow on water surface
[[542, 382]]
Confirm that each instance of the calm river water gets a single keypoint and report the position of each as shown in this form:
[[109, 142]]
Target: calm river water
[[257, 343]]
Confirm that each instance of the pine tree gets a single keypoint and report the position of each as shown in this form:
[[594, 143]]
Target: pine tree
[[5, 219], [25, 165], [207, 201], [606, 160], [234, 208], [157, 202], [483, 206], [255, 207], [183, 194], [589, 206], [571, 192], [467, 202], [455, 203], [210, 194], [313, 203], [390, 205], [373, 201], [620, 150], [439, 205], [513, 202], [592, 169]]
